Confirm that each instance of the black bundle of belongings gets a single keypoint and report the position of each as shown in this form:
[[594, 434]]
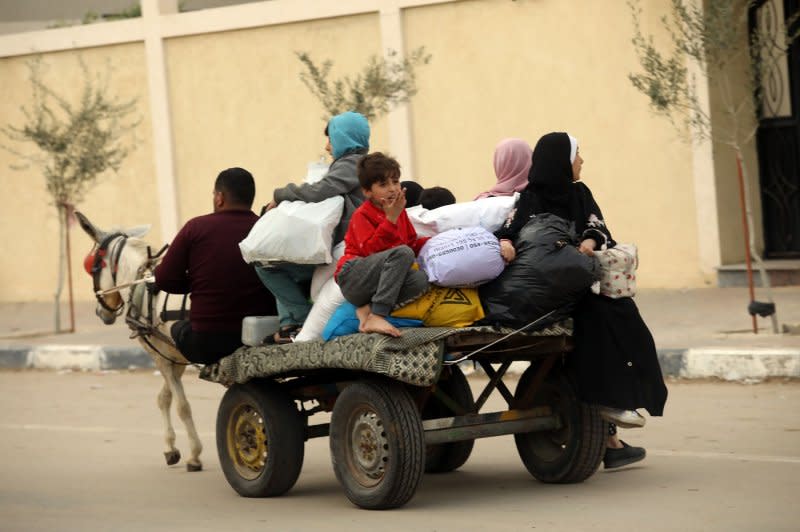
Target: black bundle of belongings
[[548, 273]]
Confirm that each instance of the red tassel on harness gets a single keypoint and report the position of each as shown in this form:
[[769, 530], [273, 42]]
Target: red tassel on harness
[[88, 262]]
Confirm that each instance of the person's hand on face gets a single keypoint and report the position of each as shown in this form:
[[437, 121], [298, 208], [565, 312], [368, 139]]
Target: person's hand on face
[[394, 203]]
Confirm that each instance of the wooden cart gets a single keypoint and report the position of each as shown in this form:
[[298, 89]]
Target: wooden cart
[[397, 416]]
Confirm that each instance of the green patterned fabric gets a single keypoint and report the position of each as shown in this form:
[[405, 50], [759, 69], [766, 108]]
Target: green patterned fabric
[[414, 358]]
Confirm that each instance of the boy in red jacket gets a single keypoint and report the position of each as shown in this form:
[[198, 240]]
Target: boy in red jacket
[[375, 271]]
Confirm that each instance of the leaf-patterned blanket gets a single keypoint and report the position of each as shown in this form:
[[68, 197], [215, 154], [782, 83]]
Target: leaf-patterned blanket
[[415, 358]]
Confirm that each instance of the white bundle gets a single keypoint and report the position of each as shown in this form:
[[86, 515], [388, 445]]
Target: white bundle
[[489, 213], [294, 231]]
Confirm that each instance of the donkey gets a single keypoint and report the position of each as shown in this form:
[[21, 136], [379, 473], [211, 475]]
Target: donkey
[[121, 264]]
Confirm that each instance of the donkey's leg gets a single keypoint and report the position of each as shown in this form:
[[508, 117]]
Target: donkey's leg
[[185, 413], [172, 454]]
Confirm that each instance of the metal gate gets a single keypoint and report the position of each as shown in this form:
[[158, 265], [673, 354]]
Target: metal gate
[[778, 136]]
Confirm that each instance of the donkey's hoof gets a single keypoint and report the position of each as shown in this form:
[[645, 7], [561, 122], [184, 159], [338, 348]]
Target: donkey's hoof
[[172, 457], [190, 467]]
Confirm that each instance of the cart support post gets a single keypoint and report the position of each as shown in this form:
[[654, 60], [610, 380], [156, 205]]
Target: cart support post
[[451, 429]]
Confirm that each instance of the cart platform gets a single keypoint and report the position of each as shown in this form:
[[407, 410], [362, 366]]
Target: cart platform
[[415, 358]]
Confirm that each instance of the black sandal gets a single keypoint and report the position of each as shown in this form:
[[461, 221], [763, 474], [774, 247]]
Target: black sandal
[[286, 334]]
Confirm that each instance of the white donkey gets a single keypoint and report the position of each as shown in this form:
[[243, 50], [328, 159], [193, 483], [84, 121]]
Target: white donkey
[[119, 264]]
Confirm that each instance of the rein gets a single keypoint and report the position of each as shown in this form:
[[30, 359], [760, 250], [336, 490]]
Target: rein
[[142, 324], [125, 285], [144, 329]]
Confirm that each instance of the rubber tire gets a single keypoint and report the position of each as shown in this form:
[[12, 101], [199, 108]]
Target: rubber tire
[[284, 429], [572, 453], [446, 457], [390, 408]]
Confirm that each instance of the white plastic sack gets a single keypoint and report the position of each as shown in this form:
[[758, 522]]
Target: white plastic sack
[[294, 231], [328, 300], [461, 257], [316, 171], [489, 213], [324, 272]]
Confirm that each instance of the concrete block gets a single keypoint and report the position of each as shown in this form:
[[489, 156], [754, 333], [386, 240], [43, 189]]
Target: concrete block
[[83, 357], [734, 364]]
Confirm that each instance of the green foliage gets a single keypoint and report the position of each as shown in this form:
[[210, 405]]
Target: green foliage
[[134, 11], [665, 78], [76, 142], [382, 84], [714, 34], [92, 17]]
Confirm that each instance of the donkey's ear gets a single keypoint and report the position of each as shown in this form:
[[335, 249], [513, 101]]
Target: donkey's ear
[[96, 234], [138, 231]]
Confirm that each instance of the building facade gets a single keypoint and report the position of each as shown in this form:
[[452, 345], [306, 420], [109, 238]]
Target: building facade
[[220, 87]]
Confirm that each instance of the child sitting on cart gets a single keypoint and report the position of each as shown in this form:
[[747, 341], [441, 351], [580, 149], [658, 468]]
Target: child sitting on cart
[[381, 245]]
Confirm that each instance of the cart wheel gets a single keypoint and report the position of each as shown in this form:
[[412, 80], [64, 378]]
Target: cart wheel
[[377, 444], [446, 457], [260, 438], [572, 453]]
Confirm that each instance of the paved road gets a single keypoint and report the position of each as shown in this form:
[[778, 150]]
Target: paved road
[[82, 451]]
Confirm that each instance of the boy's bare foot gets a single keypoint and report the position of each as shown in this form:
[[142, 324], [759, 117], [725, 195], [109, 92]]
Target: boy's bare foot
[[378, 324], [362, 313]]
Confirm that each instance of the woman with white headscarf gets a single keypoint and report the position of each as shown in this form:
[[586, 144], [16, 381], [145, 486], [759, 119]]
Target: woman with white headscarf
[[614, 361]]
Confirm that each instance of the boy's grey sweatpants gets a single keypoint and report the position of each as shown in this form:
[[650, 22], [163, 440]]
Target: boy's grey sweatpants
[[385, 279]]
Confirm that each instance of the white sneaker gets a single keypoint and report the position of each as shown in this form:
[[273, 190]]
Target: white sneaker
[[626, 419]]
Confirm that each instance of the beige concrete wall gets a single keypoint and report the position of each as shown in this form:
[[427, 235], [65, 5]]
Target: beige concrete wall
[[525, 68], [28, 222], [243, 103], [499, 69]]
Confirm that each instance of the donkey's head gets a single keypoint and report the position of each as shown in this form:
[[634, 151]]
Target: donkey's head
[[113, 260]]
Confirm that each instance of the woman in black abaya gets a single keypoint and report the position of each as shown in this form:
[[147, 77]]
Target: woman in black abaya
[[614, 362]]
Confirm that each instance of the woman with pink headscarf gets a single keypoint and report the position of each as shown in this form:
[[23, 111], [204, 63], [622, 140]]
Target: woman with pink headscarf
[[512, 161]]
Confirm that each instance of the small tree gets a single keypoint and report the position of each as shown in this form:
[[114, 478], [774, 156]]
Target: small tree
[[76, 144], [716, 37], [382, 84]]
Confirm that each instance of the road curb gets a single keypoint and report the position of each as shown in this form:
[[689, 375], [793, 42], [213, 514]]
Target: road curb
[[731, 364], [77, 357], [735, 364]]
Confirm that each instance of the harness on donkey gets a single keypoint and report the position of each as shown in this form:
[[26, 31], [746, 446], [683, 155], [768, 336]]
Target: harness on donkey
[[140, 320]]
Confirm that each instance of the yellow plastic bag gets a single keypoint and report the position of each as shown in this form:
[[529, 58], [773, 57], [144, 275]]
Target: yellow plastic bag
[[444, 307]]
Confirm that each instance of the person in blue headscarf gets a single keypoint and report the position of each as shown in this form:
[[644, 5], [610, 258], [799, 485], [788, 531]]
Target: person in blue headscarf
[[348, 141]]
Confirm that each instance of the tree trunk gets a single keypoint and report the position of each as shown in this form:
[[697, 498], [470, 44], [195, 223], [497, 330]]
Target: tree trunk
[[67, 217], [750, 246], [60, 276]]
